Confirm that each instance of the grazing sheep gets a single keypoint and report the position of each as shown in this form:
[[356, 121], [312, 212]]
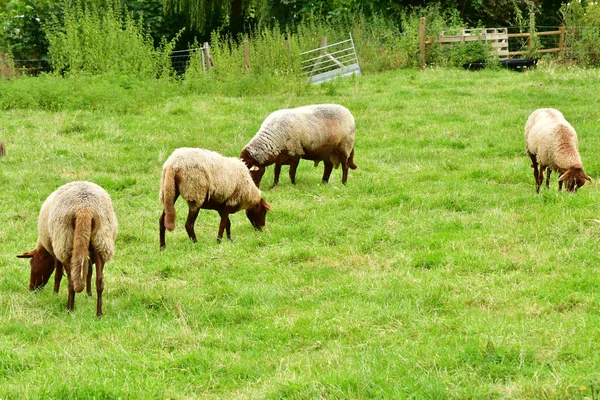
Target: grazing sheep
[[206, 179], [77, 227], [551, 142], [322, 132]]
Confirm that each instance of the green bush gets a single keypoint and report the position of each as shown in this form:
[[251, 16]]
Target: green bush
[[583, 32], [95, 39]]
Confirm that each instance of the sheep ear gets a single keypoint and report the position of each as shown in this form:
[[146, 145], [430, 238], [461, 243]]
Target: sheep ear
[[267, 205], [254, 168], [28, 254], [587, 178]]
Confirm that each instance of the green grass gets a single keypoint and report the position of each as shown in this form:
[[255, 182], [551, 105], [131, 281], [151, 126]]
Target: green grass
[[436, 272]]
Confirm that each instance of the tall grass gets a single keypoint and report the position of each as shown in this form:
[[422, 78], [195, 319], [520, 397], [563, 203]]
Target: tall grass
[[104, 39], [583, 32], [381, 44]]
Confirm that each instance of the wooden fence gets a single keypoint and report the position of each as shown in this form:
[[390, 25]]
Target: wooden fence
[[498, 37]]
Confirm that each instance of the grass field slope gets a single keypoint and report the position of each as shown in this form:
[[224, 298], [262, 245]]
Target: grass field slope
[[436, 272]]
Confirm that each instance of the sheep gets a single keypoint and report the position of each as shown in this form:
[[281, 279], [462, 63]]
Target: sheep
[[77, 227], [322, 132], [552, 143], [208, 180]]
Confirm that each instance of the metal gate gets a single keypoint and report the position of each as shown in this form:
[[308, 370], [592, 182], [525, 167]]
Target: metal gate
[[330, 61]]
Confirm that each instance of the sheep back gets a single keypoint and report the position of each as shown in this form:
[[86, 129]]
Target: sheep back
[[552, 140], [204, 175], [307, 132], [56, 223]]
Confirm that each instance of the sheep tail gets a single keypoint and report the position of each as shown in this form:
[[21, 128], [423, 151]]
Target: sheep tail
[[81, 245], [168, 197], [351, 164]]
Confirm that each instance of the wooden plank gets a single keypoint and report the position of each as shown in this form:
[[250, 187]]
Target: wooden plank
[[247, 55], [422, 42], [554, 50], [547, 33], [518, 35]]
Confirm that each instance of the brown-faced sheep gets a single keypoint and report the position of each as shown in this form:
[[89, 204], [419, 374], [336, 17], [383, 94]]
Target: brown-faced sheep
[[208, 180], [77, 227], [551, 143], [322, 132]]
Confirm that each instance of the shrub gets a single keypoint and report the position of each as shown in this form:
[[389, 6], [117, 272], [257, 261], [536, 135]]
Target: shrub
[[583, 32], [96, 39]]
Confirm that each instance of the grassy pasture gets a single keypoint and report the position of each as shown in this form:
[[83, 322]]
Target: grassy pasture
[[435, 273]]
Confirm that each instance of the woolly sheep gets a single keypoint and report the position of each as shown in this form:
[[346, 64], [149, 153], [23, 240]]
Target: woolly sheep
[[322, 132], [77, 227], [552, 143], [208, 180]]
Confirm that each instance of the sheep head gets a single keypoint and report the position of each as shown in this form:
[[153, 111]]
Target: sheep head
[[257, 214], [574, 178], [42, 267], [256, 170]]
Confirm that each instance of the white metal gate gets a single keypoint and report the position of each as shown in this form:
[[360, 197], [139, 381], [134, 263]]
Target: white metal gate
[[330, 61]]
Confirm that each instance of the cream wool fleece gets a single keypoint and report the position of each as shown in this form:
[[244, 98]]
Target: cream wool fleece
[[57, 215], [552, 139], [205, 175], [322, 127]]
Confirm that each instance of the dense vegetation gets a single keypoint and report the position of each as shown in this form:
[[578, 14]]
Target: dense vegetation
[[25, 24], [435, 273]]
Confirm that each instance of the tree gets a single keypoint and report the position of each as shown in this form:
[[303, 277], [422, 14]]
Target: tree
[[207, 15]]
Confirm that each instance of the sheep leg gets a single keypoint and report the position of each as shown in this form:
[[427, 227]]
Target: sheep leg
[[276, 172], [548, 171], [293, 167], [58, 274], [536, 173], [344, 171], [99, 281], [88, 278], [224, 225], [71, 298], [162, 229], [327, 171], [191, 221]]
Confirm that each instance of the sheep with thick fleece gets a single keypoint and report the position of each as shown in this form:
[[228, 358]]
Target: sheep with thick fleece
[[77, 227], [208, 180], [551, 143], [322, 132]]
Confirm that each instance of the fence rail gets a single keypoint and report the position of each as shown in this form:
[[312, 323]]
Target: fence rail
[[504, 44], [330, 61]]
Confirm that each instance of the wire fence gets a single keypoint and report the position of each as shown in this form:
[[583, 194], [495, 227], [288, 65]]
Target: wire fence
[[33, 67], [545, 40]]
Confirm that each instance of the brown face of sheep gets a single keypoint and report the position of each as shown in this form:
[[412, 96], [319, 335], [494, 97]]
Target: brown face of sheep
[[42, 267], [574, 178], [257, 215], [256, 171]]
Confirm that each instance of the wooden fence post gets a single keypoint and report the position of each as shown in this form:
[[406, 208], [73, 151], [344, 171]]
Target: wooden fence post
[[561, 41], [206, 50], [247, 55], [287, 46], [323, 44], [422, 42], [323, 41]]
